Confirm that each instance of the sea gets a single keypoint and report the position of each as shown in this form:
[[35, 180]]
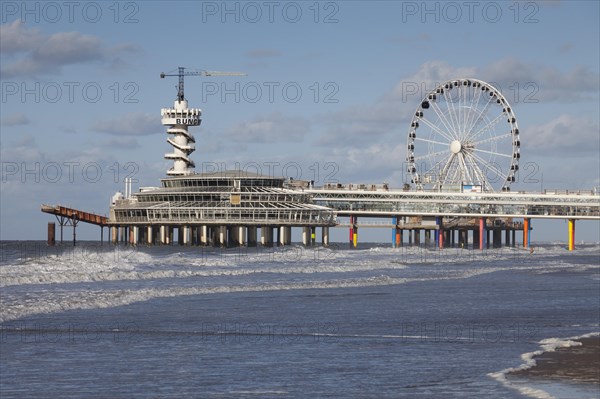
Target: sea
[[107, 321]]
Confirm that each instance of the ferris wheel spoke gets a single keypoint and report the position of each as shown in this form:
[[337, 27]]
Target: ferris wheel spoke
[[443, 119], [456, 175], [481, 115], [451, 113], [495, 138], [465, 110], [431, 141], [430, 156], [465, 168], [492, 152], [497, 171], [476, 169], [445, 169], [437, 129], [473, 109], [488, 126]]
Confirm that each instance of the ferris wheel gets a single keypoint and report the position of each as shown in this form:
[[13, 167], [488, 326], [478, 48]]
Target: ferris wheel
[[464, 133]]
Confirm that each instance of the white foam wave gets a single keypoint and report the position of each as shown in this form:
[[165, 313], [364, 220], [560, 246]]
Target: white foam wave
[[324, 268], [546, 345]]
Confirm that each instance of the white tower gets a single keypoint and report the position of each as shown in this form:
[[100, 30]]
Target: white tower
[[179, 118]]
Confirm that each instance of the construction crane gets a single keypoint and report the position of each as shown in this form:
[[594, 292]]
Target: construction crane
[[182, 72]]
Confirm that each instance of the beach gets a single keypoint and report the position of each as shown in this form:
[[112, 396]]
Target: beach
[[575, 363]]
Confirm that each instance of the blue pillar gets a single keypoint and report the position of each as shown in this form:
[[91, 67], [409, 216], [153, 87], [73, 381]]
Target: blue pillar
[[395, 223], [438, 222]]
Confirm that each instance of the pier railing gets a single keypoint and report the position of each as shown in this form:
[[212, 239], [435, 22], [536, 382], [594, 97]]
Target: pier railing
[[417, 203]]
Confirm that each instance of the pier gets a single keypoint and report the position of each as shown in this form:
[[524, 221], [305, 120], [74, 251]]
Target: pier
[[71, 217], [458, 194]]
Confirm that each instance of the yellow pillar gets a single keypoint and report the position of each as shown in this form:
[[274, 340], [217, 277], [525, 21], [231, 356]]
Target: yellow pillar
[[571, 234]]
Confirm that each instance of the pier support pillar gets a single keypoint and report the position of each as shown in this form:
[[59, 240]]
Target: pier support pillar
[[288, 235], [149, 235], [232, 232], [427, 238], [313, 236], [204, 235], [241, 236], [507, 237], [266, 236], [571, 234], [114, 234], [439, 236], [497, 238], [252, 236], [170, 234], [281, 235], [305, 235], [351, 232], [222, 236], [184, 231], [51, 233], [463, 238], [325, 236], [195, 239], [394, 231], [481, 233], [526, 239], [180, 235], [417, 237]]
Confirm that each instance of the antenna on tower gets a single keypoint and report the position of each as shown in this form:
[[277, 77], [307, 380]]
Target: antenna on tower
[[182, 72]]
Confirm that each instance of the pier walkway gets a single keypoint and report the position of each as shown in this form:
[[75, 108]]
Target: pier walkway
[[71, 217]]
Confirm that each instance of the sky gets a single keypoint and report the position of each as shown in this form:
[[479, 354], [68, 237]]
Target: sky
[[330, 90]]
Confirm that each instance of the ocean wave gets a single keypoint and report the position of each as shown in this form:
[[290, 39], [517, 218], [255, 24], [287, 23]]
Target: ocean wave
[[546, 345]]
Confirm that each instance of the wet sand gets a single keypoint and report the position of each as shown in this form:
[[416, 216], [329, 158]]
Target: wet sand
[[576, 363]]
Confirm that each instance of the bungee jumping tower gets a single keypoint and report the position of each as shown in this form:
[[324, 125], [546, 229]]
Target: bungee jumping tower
[[179, 119]]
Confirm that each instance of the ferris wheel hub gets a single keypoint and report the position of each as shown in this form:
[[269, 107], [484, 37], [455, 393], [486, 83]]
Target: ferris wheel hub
[[455, 147]]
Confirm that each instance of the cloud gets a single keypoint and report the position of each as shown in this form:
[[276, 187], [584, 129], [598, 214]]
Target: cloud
[[132, 124], [273, 128], [562, 135], [15, 120], [33, 53], [263, 53], [518, 81], [388, 117]]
